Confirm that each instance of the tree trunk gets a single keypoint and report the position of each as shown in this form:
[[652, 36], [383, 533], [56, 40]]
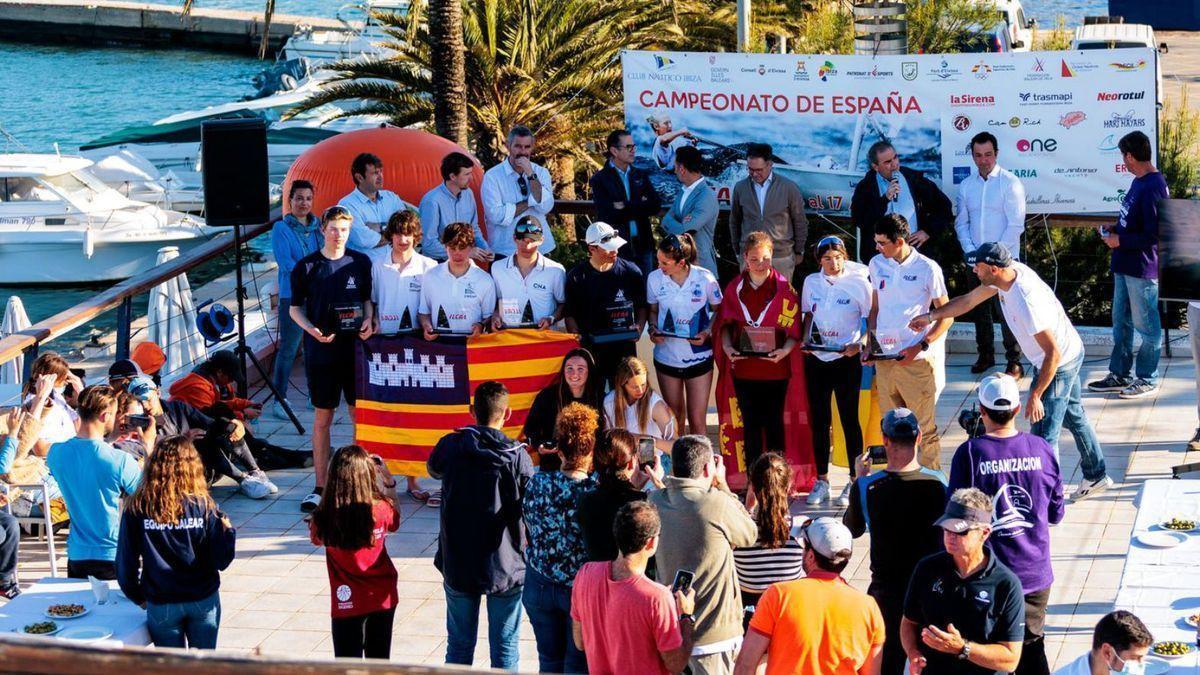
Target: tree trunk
[[562, 172], [448, 62]]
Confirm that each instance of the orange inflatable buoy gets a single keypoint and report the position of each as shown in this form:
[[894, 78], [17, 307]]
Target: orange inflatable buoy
[[412, 162]]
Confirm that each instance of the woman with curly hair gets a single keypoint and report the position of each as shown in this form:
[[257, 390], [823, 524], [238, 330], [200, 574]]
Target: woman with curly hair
[[172, 545], [556, 549], [778, 553], [352, 522]]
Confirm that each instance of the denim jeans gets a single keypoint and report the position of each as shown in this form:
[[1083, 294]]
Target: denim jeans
[[286, 348], [549, 605], [462, 627], [197, 621], [1135, 308], [1063, 406]]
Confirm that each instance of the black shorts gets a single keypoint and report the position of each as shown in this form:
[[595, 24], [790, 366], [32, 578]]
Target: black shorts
[[331, 376], [685, 373]]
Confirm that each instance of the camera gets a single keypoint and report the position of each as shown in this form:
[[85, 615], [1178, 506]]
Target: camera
[[971, 420]]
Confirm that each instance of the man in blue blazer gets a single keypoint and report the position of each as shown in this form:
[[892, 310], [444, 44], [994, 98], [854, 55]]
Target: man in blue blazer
[[625, 199], [695, 209]]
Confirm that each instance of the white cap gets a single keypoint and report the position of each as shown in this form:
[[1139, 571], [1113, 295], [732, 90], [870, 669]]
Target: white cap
[[828, 536], [999, 392], [603, 235]]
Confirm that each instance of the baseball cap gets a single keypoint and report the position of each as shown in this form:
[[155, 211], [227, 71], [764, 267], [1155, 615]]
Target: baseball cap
[[124, 369], [900, 424], [228, 362], [828, 536], [991, 253], [149, 357], [603, 235], [999, 392], [528, 229], [140, 388], [960, 518]]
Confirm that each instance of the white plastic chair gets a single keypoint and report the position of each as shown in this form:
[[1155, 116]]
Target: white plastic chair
[[43, 521]]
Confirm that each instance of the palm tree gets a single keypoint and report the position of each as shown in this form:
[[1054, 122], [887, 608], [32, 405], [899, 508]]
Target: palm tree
[[449, 70]]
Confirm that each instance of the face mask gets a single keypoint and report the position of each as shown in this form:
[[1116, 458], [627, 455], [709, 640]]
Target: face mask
[[60, 390], [1129, 668]]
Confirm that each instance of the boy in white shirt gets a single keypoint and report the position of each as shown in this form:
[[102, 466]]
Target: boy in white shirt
[[529, 286], [457, 297]]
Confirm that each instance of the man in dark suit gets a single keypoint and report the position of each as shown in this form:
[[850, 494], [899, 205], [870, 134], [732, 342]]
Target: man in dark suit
[[625, 199], [891, 188]]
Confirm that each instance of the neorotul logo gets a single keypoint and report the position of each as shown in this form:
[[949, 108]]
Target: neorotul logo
[[1037, 145], [1120, 95]]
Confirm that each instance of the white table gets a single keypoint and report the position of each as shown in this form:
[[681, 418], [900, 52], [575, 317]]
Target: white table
[[1162, 586], [126, 620]]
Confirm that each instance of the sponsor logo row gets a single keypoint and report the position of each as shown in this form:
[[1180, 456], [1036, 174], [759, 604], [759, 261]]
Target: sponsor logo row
[[1116, 120]]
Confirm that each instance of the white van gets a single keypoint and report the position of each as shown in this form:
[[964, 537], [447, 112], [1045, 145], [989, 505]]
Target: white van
[[1019, 28], [1095, 34]]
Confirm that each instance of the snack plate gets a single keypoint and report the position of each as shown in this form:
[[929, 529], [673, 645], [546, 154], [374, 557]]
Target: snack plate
[[46, 613], [1171, 657], [1163, 526], [56, 630], [1162, 539]]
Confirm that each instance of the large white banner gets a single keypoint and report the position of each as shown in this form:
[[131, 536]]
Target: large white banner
[[1057, 117]]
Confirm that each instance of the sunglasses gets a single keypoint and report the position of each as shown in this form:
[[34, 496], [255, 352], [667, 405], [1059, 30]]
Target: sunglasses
[[673, 242], [830, 241], [336, 212], [527, 230], [524, 185]]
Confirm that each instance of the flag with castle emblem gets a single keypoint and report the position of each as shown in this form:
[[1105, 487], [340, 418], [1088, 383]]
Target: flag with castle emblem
[[411, 391]]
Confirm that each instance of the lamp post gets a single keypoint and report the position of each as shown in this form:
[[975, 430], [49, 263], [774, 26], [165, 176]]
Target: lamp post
[[880, 27], [743, 25]]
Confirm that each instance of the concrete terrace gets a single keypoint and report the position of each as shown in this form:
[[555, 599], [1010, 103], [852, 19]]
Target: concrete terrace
[[276, 596]]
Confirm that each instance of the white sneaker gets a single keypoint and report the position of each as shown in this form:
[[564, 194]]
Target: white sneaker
[[262, 476], [1089, 488], [820, 493], [254, 487], [843, 499], [310, 503]]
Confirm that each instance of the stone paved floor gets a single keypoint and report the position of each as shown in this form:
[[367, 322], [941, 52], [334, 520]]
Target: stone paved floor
[[275, 594]]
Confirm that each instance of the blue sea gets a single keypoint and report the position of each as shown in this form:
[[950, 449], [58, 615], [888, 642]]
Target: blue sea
[[69, 95]]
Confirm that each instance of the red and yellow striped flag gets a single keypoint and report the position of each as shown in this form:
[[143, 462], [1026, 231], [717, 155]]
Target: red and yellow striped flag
[[411, 392]]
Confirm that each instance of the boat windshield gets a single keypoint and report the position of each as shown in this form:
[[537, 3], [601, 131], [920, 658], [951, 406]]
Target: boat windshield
[[26, 189], [77, 187]]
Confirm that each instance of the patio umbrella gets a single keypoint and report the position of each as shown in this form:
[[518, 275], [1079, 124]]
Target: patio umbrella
[[15, 320], [171, 321]]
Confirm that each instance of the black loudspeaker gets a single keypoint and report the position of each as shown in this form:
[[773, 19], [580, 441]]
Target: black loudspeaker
[[233, 157], [1179, 250]]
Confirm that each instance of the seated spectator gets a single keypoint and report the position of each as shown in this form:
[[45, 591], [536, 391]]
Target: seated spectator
[[172, 546], [778, 554], [621, 619], [220, 441], [1120, 644], [578, 382], [22, 427], [124, 436], [150, 358], [817, 625], [121, 372], [93, 476], [60, 422], [633, 405], [212, 382], [352, 523], [555, 548]]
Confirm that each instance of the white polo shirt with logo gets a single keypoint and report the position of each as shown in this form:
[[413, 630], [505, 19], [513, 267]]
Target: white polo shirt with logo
[[838, 305], [396, 291], [688, 307], [543, 289], [906, 290], [465, 301], [1031, 307]]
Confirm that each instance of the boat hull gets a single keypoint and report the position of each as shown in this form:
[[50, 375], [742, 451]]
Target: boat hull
[[64, 262]]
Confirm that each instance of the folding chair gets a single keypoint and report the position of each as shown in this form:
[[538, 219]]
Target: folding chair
[[43, 521]]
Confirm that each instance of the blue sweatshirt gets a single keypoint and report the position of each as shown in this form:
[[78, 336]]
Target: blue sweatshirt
[[178, 562], [1137, 228], [92, 476], [291, 241], [1021, 475]]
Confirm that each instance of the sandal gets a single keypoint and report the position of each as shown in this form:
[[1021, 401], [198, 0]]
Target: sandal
[[435, 499], [419, 495]]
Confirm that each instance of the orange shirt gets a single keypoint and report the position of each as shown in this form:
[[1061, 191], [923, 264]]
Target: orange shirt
[[818, 625]]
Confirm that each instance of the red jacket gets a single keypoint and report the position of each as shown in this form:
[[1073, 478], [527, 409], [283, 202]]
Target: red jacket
[[202, 393]]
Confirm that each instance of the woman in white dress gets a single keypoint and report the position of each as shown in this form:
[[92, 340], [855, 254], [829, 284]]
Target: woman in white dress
[[633, 405]]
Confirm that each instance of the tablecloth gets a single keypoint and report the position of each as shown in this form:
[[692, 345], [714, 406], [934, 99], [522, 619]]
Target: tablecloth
[[126, 620]]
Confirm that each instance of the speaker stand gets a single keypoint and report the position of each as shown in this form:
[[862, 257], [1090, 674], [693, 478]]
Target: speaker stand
[[244, 352]]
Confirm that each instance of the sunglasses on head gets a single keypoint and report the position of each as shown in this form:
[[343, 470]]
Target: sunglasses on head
[[336, 212]]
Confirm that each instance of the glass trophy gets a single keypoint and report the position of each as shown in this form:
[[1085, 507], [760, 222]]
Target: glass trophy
[[757, 341], [815, 342], [514, 317], [621, 324], [876, 352], [406, 322], [348, 317]]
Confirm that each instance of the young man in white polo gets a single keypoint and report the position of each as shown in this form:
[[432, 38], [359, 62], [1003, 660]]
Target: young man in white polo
[[529, 286], [457, 297]]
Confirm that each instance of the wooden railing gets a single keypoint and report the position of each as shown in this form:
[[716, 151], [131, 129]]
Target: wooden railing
[[119, 297]]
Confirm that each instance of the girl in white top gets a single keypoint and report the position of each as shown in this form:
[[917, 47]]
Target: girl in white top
[[457, 296], [835, 303], [683, 300], [396, 274], [634, 406], [60, 422]]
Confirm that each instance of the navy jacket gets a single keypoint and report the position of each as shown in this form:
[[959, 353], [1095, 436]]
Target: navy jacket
[[639, 205], [173, 562], [934, 212], [484, 474]]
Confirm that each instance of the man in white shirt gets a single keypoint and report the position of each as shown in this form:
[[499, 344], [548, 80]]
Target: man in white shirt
[[451, 202], [369, 203], [990, 207], [529, 286], [397, 271], [1053, 345], [668, 141], [457, 297], [907, 284], [1120, 638], [513, 188]]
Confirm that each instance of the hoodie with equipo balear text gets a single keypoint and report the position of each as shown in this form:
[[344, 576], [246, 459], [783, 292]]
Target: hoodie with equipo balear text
[[484, 475], [174, 562]]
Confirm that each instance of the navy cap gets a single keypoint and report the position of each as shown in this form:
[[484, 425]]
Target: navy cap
[[900, 424], [960, 518], [991, 253]]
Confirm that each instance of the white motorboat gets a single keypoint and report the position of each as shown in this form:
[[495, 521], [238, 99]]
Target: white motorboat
[[138, 179], [172, 144], [60, 224], [363, 36]]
